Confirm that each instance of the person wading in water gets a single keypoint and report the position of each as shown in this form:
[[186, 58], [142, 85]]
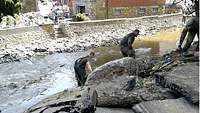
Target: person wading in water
[[126, 44], [80, 67]]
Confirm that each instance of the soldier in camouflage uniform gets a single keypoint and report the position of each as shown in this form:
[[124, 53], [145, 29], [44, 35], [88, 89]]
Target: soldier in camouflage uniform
[[126, 44], [191, 30]]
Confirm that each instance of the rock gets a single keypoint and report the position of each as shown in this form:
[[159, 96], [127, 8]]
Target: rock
[[40, 50], [183, 79], [121, 67], [130, 84], [88, 101], [12, 86], [112, 69], [110, 81], [166, 106], [62, 102]]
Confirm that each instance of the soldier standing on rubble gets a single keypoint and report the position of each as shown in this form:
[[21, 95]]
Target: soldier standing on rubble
[[126, 44], [191, 29]]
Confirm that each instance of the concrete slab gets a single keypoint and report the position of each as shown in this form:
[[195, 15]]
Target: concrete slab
[[183, 79], [166, 106]]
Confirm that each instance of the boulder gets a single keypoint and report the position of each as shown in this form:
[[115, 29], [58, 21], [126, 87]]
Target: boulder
[[121, 67], [166, 106], [118, 85]]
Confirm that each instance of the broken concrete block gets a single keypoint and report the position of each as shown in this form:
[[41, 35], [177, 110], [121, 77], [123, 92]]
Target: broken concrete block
[[183, 79], [166, 106]]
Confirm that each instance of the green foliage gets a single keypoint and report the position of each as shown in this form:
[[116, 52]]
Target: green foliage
[[9, 7], [8, 20], [80, 17]]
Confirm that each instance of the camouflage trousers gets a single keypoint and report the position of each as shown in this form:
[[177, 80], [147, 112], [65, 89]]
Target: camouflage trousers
[[189, 40], [127, 52]]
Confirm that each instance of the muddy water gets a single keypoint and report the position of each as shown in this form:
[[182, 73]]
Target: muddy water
[[24, 83], [158, 44]]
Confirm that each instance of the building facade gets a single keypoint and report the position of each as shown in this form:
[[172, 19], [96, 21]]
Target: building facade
[[29, 6], [106, 9], [132, 8], [84, 6]]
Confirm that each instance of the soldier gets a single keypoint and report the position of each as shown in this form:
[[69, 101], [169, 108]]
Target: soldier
[[191, 29], [80, 67], [126, 44]]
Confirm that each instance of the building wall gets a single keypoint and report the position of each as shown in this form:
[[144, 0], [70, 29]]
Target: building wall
[[99, 9], [61, 1], [117, 12], [126, 8], [131, 3], [103, 9], [28, 6]]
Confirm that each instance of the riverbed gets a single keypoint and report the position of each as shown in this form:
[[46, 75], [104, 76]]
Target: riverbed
[[26, 82]]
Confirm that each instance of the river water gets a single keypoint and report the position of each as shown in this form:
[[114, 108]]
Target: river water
[[24, 83]]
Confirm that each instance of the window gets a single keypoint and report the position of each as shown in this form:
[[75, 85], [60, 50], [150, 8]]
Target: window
[[118, 11], [155, 10], [142, 11], [81, 9]]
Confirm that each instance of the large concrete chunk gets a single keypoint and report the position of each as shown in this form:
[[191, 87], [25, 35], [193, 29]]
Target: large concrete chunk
[[111, 81], [120, 67], [62, 101], [112, 69], [166, 106], [183, 79]]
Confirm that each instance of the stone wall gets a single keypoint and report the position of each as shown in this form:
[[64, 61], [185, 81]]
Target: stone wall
[[11, 31], [145, 24]]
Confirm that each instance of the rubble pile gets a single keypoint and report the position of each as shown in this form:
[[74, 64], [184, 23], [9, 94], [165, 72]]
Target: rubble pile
[[169, 84]]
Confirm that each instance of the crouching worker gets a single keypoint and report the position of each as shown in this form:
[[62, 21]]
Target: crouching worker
[[126, 44], [190, 30], [80, 67]]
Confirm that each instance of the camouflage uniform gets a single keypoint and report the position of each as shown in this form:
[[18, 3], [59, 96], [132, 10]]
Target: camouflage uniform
[[80, 72], [126, 45], [191, 29]]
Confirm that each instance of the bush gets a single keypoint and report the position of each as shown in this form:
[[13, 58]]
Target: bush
[[7, 21], [9, 7], [80, 17]]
